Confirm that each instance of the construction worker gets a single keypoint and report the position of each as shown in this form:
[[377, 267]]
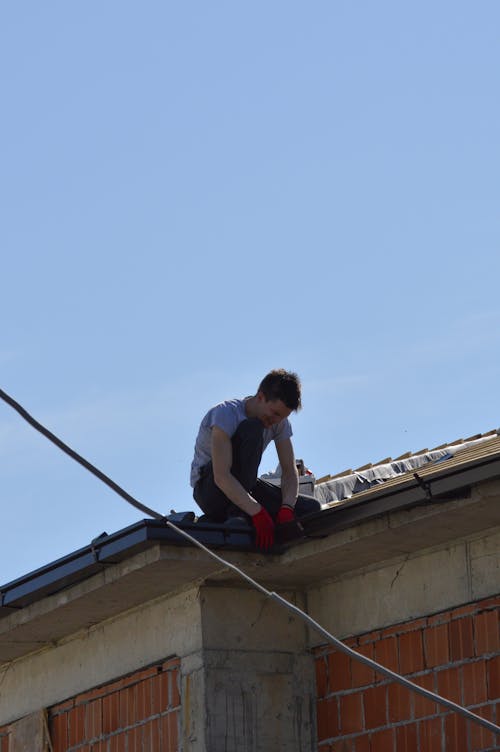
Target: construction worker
[[228, 451]]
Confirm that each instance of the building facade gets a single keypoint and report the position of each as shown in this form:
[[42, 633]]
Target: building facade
[[139, 642]]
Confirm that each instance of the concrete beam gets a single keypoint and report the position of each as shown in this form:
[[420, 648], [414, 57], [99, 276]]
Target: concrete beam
[[406, 587]]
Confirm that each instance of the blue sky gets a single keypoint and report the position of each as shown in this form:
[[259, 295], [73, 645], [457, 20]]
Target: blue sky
[[195, 193]]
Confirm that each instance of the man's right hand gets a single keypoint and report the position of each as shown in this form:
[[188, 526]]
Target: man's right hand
[[264, 529]]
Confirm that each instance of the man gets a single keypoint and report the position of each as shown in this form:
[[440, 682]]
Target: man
[[228, 450]]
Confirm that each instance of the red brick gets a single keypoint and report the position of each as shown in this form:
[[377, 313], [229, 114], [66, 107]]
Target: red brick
[[327, 718], [143, 695], [320, 666], [493, 673], [76, 725], [93, 719], [474, 683], [470, 608], [101, 746], [165, 733], [382, 741], [411, 652], [351, 714], [341, 745], [58, 726], [169, 732], [117, 743], [145, 673], [455, 731], [154, 736], [361, 743], [146, 736], [111, 713], [174, 731], [63, 706], [339, 671], [422, 706], [163, 690], [386, 653], [399, 703], [408, 626], [406, 738], [493, 602], [430, 735], [92, 694], [369, 637], [461, 639], [480, 737], [106, 689], [134, 740], [156, 695], [449, 684], [486, 632], [175, 664], [442, 618], [361, 674], [436, 646], [375, 706], [127, 704]]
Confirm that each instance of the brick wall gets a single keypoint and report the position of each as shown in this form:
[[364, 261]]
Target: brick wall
[[455, 653], [138, 713]]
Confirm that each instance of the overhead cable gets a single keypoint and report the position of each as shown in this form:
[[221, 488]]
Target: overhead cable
[[465, 712]]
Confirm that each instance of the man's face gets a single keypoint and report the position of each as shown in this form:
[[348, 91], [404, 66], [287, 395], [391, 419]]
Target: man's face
[[271, 412]]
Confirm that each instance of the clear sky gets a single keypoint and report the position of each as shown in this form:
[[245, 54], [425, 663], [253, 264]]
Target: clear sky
[[194, 193]]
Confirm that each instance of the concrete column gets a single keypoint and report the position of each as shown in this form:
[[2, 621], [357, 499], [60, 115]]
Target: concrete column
[[28, 734], [258, 674]]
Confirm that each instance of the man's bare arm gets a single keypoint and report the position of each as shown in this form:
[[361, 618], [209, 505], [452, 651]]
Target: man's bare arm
[[222, 459], [289, 476]]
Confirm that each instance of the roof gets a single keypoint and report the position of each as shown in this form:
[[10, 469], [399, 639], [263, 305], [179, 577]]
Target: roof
[[424, 478]]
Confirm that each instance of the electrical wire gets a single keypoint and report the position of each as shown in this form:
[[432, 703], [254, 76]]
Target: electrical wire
[[465, 712], [78, 458]]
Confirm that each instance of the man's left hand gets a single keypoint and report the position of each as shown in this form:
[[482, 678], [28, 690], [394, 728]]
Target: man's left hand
[[285, 514]]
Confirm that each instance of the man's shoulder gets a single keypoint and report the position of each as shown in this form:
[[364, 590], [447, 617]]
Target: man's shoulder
[[282, 430], [226, 415], [230, 405]]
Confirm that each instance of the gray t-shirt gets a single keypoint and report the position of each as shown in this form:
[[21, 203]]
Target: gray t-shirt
[[228, 415]]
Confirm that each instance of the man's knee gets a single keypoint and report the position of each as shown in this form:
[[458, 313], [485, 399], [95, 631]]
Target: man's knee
[[306, 505], [247, 444]]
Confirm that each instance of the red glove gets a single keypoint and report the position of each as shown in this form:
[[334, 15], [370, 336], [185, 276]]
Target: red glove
[[264, 529], [285, 514]]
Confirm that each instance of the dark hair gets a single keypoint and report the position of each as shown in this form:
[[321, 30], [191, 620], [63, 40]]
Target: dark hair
[[282, 385]]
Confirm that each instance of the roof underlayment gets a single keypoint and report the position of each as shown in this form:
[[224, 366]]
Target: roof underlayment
[[344, 486]]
